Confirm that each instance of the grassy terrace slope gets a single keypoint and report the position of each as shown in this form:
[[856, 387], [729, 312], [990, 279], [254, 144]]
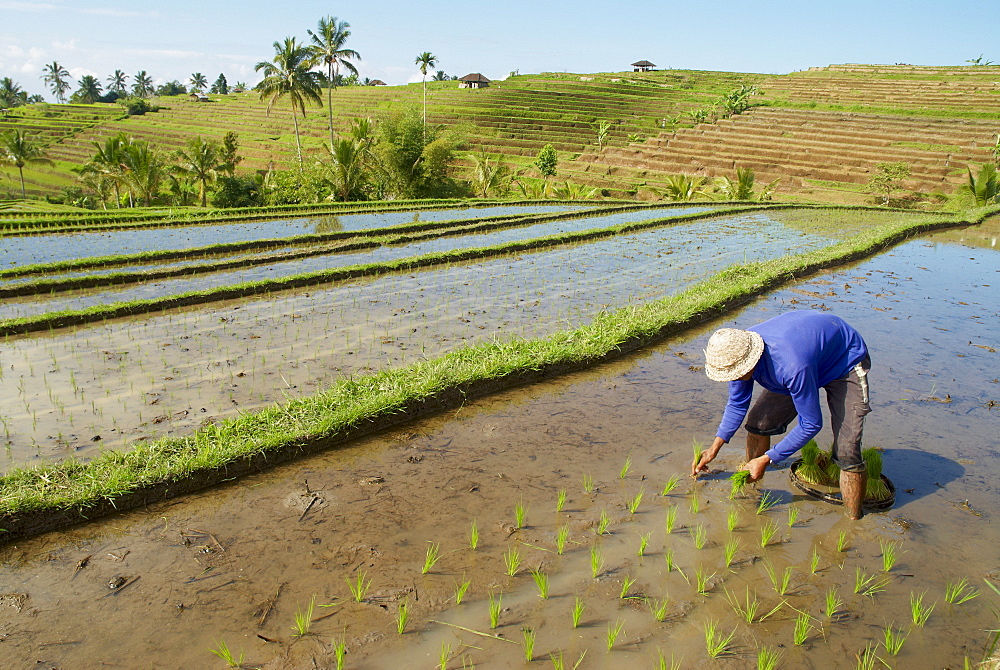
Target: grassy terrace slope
[[821, 131]]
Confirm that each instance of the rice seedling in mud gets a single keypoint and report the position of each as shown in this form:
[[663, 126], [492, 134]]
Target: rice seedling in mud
[[869, 585], [359, 587], [889, 549], [512, 561], [803, 626], [431, 557], [668, 556], [444, 655], [495, 604], [813, 561], [842, 541], [559, 662], [561, 500], [602, 523], [643, 543], [542, 583], [658, 608], [627, 584], [919, 612], [596, 561], [633, 504], [473, 535], [614, 630], [460, 590], [588, 483], [402, 616], [716, 643], [893, 640], [701, 579], [520, 512], [671, 519], [749, 608], [729, 550], [793, 516], [956, 593], [528, 643], [778, 582], [767, 532], [767, 501], [340, 651], [222, 651], [671, 484], [623, 473], [875, 488], [700, 536], [578, 607], [303, 619], [737, 481], [866, 658], [562, 535], [661, 662], [832, 602], [695, 502], [767, 658], [732, 519]]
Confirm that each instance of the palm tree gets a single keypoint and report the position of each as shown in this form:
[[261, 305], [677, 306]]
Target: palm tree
[[198, 81], [19, 149], [202, 163], [440, 75], [105, 167], [11, 94], [143, 84], [289, 74], [985, 188], [90, 89], [348, 166], [116, 82], [328, 47], [55, 76], [426, 61], [143, 170]]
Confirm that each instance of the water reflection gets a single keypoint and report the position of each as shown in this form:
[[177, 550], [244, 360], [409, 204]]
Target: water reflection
[[327, 224]]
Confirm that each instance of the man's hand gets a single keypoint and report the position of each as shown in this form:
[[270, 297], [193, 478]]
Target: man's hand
[[757, 466], [707, 457]]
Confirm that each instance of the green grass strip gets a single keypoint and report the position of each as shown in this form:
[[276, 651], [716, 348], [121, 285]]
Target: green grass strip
[[48, 496]]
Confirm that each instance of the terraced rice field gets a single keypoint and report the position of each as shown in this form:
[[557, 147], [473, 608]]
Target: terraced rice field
[[444, 541], [178, 368]]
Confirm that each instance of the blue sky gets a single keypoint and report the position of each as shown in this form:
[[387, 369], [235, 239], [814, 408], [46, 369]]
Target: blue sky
[[172, 40]]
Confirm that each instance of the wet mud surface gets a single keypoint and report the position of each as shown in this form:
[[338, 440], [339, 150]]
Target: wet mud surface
[[237, 562]]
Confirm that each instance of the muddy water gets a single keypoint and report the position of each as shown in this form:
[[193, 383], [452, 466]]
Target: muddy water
[[170, 373], [208, 566]]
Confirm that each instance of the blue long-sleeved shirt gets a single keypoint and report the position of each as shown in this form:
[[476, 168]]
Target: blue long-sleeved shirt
[[804, 350]]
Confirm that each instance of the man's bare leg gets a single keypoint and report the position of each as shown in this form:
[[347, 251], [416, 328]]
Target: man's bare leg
[[757, 445], [852, 490]]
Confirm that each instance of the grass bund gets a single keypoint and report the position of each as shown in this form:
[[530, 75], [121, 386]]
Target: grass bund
[[55, 495]]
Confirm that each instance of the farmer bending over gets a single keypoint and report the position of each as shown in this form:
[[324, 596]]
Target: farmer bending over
[[793, 356]]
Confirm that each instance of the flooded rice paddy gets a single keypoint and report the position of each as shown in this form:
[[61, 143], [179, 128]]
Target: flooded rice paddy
[[78, 391], [235, 564], [54, 247]]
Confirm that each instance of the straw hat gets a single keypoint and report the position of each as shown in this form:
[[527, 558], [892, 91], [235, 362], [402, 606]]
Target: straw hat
[[732, 353]]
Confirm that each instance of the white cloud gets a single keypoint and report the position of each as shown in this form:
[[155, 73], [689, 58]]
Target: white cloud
[[66, 46], [104, 11], [28, 6]]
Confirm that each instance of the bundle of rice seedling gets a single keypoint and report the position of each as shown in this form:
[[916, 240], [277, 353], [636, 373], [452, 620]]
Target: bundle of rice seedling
[[810, 469], [738, 480], [831, 469], [875, 488]]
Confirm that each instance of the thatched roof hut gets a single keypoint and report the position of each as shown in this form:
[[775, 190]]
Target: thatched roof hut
[[642, 66], [474, 80]]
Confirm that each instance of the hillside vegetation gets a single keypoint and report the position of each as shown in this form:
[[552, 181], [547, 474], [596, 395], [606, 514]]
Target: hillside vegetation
[[820, 132]]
